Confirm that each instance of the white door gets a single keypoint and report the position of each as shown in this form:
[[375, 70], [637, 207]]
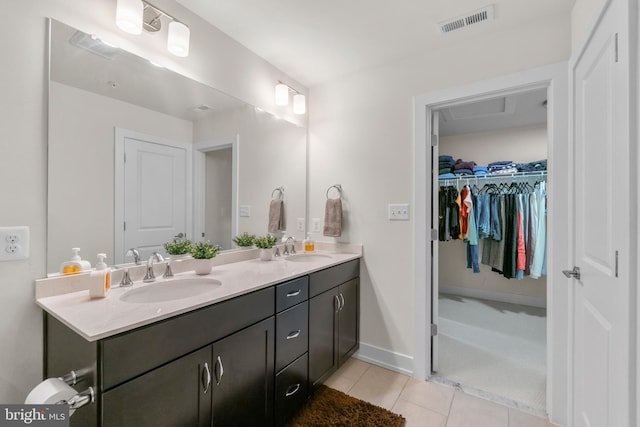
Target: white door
[[601, 245], [154, 192], [435, 213]]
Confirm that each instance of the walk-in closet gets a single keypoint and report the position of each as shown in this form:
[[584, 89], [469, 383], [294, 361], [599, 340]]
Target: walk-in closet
[[491, 250]]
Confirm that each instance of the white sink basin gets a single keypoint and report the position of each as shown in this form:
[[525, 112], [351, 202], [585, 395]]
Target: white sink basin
[[306, 257], [169, 290]]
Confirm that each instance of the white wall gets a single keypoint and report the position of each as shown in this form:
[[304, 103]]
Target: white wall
[[582, 17], [361, 137], [215, 59]]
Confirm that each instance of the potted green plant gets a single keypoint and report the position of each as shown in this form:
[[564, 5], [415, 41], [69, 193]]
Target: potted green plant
[[265, 243], [203, 253], [178, 248], [244, 240]]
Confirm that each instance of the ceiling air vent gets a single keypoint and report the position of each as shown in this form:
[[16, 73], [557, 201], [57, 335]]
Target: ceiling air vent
[[472, 18]]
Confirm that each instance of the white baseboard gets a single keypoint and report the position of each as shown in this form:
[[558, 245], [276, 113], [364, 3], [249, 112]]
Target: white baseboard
[[494, 296], [386, 359]]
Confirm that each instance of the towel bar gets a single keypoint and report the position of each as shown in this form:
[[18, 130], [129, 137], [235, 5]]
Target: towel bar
[[280, 190], [337, 187]]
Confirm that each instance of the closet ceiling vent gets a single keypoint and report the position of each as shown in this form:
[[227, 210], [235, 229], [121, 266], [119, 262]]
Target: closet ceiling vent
[[476, 17]]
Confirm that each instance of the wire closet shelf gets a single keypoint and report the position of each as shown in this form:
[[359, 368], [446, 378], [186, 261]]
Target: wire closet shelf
[[482, 179]]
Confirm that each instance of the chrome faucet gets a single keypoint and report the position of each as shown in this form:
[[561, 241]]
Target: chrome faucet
[[150, 276], [286, 247], [135, 254]]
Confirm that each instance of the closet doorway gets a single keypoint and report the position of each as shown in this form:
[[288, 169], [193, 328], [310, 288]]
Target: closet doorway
[[488, 265]]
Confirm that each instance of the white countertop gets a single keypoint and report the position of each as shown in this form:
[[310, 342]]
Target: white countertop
[[97, 318]]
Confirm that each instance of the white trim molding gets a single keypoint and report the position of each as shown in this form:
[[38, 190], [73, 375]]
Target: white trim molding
[[393, 361]]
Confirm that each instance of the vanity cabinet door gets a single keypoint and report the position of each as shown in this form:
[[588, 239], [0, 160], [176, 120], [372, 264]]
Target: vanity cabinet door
[[243, 377], [348, 319], [176, 394], [333, 329]]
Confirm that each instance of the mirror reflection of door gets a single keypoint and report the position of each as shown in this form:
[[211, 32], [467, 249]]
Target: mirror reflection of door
[[218, 197], [152, 193]]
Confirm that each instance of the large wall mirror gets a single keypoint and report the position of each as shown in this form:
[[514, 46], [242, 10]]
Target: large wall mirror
[[139, 154]]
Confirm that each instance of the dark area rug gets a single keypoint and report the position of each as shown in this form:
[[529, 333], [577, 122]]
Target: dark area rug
[[329, 407]]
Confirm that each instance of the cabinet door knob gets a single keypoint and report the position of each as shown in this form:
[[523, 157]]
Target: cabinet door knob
[[294, 334], [292, 390], [206, 377], [219, 370]]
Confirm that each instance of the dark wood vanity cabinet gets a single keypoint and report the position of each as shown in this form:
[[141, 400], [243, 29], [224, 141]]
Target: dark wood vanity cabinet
[[334, 310], [248, 361]]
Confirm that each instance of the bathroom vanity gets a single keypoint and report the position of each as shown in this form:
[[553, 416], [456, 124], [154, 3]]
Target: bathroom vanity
[[249, 357]]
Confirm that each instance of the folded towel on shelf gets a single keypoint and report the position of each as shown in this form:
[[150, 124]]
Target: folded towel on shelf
[[445, 158], [506, 171], [333, 218], [444, 170], [501, 163], [276, 216], [480, 169], [461, 164]]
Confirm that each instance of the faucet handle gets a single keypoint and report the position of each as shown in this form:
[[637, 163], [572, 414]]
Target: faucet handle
[[167, 271], [126, 280], [135, 254]]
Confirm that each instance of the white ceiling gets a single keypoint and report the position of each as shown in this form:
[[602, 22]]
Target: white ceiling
[[316, 41]]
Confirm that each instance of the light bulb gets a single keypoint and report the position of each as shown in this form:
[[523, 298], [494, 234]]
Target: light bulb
[[129, 16], [178, 39], [299, 106], [282, 94]]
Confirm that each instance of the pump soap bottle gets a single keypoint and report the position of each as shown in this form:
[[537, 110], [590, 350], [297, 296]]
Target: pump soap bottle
[[76, 265], [308, 243]]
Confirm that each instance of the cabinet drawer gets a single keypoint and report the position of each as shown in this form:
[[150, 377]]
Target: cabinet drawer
[[323, 280], [291, 293], [291, 390], [292, 334], [133, 353]]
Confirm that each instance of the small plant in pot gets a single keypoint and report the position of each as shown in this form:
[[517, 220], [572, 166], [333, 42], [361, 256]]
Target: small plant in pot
[[203, 254], [179, 247], [244, 240], [265, 243]]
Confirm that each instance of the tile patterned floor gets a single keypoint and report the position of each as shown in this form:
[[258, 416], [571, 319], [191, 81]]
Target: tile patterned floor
[[423, 403]]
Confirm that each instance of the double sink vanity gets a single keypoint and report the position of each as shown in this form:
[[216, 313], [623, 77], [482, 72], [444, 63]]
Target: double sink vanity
[[244, 345]]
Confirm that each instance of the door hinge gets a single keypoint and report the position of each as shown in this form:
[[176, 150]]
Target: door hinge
[[616, 47], [434, 234], [125, 226], [125, 157], [616, 263], [434, 329], [434, 140]]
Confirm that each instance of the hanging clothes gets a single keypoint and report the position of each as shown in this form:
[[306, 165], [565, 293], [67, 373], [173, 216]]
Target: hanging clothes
[[508, 220]]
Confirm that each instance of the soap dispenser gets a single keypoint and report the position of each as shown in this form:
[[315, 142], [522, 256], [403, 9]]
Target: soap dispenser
[[76, 265], [101, 265], [308, 243]]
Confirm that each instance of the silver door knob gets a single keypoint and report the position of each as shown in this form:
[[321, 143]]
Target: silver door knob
[[575, 273]]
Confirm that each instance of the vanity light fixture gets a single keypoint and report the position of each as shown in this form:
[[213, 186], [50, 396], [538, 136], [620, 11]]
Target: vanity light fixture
[[282, 98], [134, 15]]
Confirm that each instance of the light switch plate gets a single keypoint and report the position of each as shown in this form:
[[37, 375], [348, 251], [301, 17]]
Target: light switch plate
[[245, 211], [399, 212], [14, 243], [300, 224], [315, 225]]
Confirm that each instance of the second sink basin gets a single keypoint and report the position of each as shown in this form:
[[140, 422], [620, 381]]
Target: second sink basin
[[169, 290], [305, 257]]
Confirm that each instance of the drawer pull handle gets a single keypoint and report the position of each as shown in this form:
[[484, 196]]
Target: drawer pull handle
[[291, 294], [294, 334], [292, 390], [220, 369], [206, 379]]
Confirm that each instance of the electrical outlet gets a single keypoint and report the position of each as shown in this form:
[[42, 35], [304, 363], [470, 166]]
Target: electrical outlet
[[315, 225], [14, 243], [300, 224], [399, 212]]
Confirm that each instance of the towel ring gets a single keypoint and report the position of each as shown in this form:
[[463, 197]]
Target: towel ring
[[281, 192], [337, 187]]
